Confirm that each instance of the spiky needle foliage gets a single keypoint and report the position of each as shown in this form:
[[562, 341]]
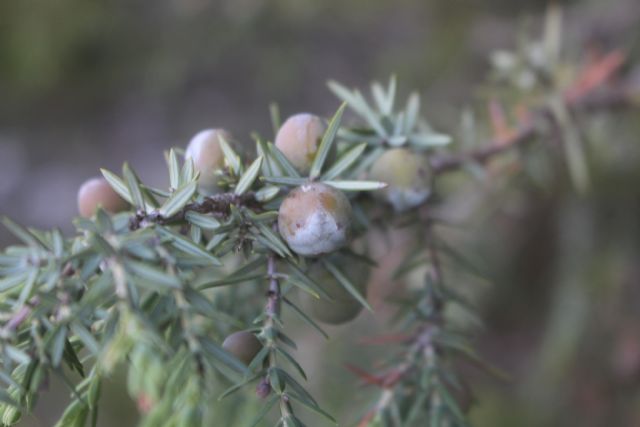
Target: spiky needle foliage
[[157, 287]]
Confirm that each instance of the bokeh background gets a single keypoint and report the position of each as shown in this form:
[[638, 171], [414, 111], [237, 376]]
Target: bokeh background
[[91, 83]]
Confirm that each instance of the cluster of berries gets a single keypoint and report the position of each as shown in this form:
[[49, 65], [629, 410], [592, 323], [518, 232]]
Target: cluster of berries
[[314, 219]]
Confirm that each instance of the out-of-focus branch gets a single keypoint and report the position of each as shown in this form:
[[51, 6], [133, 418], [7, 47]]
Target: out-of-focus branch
[[590, 92], [19, 316], [449, 162], [421, 346]]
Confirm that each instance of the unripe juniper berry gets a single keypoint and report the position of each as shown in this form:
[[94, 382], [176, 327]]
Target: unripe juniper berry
[[408, 177], [299, 138], [243, 345], [205, 151], [97, 192], [315, 219]]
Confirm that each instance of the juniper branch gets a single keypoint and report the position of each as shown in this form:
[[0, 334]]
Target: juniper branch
[[421, 356], [594, 97], [270, 330], [218, 205]]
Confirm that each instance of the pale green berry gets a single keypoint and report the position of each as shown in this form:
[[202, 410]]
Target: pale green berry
[[299, 138], [96, 192], [315, 219], [408, 176]]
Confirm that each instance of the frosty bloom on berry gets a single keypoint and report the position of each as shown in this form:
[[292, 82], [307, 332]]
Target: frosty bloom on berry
[[315, 219]]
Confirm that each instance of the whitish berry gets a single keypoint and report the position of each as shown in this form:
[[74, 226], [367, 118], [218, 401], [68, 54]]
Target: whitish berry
[[96, 192], [315, 219], [205, 151], [408, 177]]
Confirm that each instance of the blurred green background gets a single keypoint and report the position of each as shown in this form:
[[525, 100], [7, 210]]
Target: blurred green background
[[91, 83]]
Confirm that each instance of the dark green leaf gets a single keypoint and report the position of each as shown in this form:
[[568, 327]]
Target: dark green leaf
[[188, 246], [188, 172], [450, 402], [275, 240], [238, 386], [202, 305], [248, 178], [327, 142], [313, 408], [346, 283], [17, 355], [7, 399], [86, 337], [412, 112], [265, 410], [158, 277], [118, 185], [57, 347], [57, 243], [72, 359], [178, 199], [429, 140], [288, 341], [223, 356], [284, 180], [259, 358], [356, 101], [283, 161], [306, 318], [306, 280], [344, 162], [20, 232], [13, 281], [174, 169], [133, 184], [232, 158], [203, 221], [293, 362], [29, 284], [356, 185]]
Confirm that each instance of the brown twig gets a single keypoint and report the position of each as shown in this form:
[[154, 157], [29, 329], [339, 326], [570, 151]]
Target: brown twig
[[449, 162], [219, 205]]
